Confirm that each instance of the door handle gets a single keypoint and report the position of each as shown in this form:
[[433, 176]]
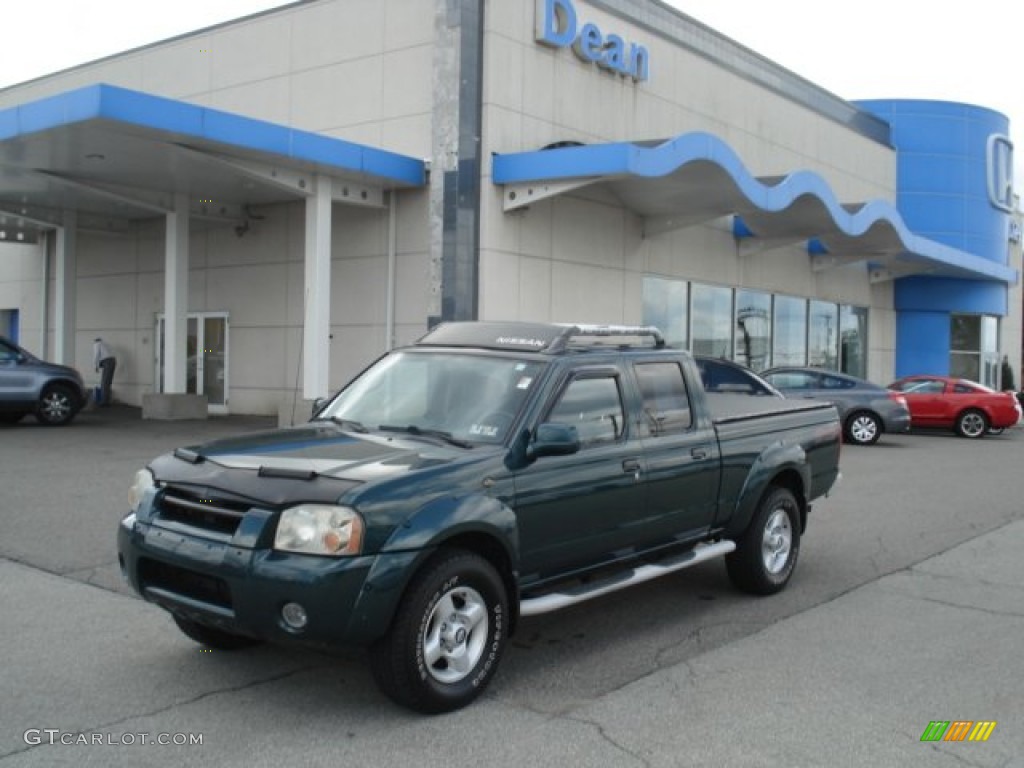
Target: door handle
[[631, 467], [698, 453]]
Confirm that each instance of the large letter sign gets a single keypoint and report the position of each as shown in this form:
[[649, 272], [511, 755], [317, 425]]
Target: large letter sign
[[557, 26]]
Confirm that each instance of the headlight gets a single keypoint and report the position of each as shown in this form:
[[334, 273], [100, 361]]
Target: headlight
[[320, 529], [143, 482]]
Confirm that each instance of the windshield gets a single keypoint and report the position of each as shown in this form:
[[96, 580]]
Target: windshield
[[469, 397]]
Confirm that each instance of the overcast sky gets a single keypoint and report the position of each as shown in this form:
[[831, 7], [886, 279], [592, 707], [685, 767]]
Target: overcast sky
[[955, 51]]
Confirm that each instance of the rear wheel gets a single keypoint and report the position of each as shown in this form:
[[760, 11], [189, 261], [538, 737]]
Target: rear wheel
[[766, 553], [863, 428], [57, 406], [217, 639], [972, 423], [447, 637]]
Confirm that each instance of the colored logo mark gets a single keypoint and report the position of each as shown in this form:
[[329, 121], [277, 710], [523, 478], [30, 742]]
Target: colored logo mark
[[958, 730]]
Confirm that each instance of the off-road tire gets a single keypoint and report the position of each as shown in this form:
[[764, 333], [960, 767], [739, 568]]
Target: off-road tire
[[766, 553], [447, 637]]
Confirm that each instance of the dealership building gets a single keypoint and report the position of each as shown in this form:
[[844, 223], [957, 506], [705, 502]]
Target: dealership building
[[251, 213]]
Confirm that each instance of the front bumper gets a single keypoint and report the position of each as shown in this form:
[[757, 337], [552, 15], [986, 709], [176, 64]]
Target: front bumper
[[348, 601]]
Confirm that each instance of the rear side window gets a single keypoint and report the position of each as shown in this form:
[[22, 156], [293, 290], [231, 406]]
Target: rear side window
[[793, 380], [666, 402], [594, 407], [834, 382]]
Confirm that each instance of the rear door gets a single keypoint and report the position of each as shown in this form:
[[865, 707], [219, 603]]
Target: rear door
[[682, 454]]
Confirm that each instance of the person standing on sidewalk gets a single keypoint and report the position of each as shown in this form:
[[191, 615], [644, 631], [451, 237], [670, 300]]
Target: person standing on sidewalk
[[103, 359]]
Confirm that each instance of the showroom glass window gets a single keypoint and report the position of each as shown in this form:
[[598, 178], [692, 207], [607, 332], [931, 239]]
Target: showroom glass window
[[789, 342], [823, 335], [974, 348], [753, 327], [853, 341], [711, 320], [665, 307]]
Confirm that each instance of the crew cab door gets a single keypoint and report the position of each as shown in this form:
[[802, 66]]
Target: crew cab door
[[576, 510], [681, 448]]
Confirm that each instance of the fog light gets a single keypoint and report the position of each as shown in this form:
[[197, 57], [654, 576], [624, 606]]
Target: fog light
[[294, 615]]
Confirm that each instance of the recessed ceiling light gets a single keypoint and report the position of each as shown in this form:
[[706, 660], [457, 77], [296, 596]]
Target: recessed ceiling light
[[95, 156]]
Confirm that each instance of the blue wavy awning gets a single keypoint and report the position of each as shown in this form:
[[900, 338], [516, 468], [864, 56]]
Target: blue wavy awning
[[697, 177]]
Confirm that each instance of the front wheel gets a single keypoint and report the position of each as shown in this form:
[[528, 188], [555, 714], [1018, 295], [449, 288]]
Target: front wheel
[[972, 423], [447, 637], [766, 553]]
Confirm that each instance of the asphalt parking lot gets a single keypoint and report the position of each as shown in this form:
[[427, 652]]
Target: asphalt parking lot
[[907, 607]]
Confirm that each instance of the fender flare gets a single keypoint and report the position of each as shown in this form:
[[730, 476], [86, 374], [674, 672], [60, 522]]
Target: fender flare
[[777, 459], [477, 517]]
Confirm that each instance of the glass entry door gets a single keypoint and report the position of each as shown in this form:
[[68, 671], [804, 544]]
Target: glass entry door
[[206, 350]]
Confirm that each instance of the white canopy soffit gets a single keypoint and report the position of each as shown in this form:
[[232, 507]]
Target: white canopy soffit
[[697, 177], [113, 155]]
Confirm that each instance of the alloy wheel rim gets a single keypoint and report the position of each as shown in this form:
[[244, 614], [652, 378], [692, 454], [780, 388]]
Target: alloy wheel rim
[[864, 429], [455, 635], [777, 542], [55, 407]]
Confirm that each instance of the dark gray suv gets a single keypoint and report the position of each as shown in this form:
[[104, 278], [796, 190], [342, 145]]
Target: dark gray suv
[[54, 393]]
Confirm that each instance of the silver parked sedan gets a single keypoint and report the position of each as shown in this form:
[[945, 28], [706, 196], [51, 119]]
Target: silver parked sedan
[[865, 409]]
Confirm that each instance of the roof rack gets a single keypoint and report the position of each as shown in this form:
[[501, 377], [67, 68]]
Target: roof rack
[[547, 338], [570, 332]]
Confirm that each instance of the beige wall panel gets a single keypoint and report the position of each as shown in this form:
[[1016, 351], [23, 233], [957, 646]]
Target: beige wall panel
[[408, 23], [338, 30], [179, 70], [252, 295], [412, 288], [358, 291], [585, 294], [250, 51], [267, 99], [408, 86], [347, 94], [258, 360]]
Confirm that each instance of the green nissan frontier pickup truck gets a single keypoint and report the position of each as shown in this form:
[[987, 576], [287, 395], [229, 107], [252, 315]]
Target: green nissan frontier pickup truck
[[487, 472]]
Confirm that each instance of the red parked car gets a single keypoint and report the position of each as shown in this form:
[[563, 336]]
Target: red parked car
[[969, 408]]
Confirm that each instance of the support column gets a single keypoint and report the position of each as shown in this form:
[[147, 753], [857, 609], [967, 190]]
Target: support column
[[316, 337], [66, 290], [176, 296], [174, 403], [389, 320]]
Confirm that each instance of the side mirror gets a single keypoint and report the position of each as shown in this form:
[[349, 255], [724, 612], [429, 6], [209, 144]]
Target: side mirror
[[318, 405], [553, 439]]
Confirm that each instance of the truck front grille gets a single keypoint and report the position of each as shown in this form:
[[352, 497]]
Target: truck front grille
[[181, 581], [208, 514]]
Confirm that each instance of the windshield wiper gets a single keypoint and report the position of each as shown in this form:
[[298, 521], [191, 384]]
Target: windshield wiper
[[412, 429], [355, 426]]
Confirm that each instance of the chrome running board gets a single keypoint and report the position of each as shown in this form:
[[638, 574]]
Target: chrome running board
[[553, 601]]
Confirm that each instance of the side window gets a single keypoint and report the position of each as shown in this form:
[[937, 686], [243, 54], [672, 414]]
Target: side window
[[594, 407], [834, 382], [7, 353], [793, 380], [666, 404], [963, 389]]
